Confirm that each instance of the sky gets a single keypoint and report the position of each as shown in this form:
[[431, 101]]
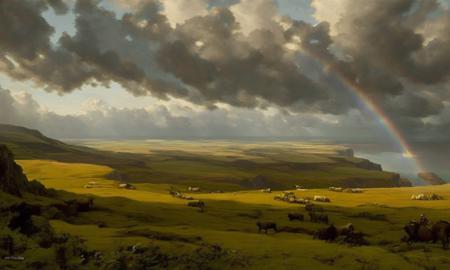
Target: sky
[[355, 72]]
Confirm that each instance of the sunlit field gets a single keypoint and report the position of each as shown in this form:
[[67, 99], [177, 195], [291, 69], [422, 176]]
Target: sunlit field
[[150, 214], [237, 165]]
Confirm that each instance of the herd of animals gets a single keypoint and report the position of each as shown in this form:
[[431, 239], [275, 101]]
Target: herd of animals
[[416, 231]]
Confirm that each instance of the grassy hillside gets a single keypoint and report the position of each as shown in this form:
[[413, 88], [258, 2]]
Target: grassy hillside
[[212, 165], [150, 215]]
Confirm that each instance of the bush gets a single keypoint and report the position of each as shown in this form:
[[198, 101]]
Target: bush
[[39, 189], [43, 232]]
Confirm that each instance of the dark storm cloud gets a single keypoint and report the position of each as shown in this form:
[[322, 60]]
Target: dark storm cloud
[[26, 51], [388, 35], [411, 104], [397, 52], [23, 31], [224, 66]]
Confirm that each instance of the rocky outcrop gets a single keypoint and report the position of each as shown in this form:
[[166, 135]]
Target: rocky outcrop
[[12, 178], [348, 152], [431, 178], [368, 165], [14, 181]]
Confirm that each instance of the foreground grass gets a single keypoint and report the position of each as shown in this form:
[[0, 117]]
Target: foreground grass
[[150, 215]]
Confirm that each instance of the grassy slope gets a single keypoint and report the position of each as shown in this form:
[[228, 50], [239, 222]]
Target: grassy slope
[[218, 165], [230, 220]]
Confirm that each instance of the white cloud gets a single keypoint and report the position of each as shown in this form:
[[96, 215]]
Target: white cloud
[[330, 11], [178, 11], [255, 14], [177, 118]]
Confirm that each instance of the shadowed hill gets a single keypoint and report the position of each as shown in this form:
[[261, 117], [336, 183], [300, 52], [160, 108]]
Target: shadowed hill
[[31, 144]]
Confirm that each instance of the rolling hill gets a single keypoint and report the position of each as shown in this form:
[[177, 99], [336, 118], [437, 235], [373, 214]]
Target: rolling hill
[[212, 165]]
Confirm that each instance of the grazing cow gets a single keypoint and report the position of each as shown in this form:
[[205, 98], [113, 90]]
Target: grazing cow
[[296, 216], [198, 204], [266, 190], [441, 231], [417, 232], [318, 218], [321, 199], [266, 226], [329, 233], [346, 229], [355, 238]]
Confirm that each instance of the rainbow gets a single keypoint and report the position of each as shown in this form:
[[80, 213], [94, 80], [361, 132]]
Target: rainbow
[[374, 109]]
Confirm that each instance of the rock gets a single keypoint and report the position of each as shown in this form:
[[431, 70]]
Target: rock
[[348, 152], [14, 181], [12, 178], [368, 165], [431, 178]]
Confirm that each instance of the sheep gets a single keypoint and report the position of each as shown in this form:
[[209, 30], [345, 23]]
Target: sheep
[[301, 201], [335, 189], [318, 198], [127, 186], [353, 190], [426, 197], [194, 189]]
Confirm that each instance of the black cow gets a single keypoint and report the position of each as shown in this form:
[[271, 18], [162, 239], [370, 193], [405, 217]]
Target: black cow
[[296, 216], [266, 226], [329, 233], [319, 218]]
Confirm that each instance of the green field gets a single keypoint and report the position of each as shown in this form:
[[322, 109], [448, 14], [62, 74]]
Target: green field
[[150, 215], [212, 165]]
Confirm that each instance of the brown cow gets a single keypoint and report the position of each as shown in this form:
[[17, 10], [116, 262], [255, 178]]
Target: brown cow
[[441, 231]]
